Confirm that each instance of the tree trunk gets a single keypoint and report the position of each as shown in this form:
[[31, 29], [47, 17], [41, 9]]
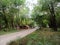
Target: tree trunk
[[4, 16], [52, 17], [0, 27]]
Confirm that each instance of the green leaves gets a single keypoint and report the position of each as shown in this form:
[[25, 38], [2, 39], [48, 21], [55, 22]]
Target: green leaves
[[12, 10], [19, 2]]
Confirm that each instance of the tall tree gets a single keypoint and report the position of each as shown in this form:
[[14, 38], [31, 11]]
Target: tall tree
[[49, 7], [9, 8]]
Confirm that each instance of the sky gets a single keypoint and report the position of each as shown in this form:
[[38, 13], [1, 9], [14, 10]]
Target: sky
[[30, 4]]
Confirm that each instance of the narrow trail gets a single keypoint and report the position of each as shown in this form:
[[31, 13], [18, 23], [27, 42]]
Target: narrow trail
[[4, 39]]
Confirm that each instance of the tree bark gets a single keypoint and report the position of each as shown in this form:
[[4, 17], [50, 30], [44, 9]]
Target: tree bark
[[52, 17]]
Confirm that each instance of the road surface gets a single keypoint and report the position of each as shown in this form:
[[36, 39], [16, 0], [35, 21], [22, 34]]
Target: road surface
[[4, 39]]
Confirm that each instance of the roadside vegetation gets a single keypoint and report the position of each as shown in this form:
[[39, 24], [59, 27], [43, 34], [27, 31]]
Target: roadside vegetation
[[14, 15], [40, 37], [2, 32]]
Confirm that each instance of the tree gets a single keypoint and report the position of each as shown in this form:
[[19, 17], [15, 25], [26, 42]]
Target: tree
[[40, 17], [49, 6], [8, 10]]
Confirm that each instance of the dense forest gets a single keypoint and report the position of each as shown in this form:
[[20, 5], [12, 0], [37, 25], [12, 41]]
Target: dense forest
[[38, 20], [14, 14], [46, 14]]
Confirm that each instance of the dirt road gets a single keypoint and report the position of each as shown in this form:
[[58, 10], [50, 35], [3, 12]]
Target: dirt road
[[4, 39]]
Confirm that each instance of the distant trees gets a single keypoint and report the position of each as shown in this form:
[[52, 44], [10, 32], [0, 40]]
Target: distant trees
[[13, 14]]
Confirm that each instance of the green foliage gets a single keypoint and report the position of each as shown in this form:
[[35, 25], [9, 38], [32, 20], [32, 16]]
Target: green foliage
[[42, 13], [7, 31], [14, 43], [40, 17], [40, 38], [13, 13], [58, 20]]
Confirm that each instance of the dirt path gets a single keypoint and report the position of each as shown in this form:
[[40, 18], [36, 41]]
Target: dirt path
[[4, 39]]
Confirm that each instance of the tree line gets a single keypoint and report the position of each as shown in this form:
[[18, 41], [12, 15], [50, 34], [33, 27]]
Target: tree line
[[46, 13], [13, 14]]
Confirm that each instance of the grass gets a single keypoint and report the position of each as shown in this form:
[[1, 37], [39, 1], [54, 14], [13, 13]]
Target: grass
[[2, 32], [39, 38]]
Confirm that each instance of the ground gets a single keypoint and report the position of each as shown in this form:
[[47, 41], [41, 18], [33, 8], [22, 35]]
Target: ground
[[4, 39], [39, 37]]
